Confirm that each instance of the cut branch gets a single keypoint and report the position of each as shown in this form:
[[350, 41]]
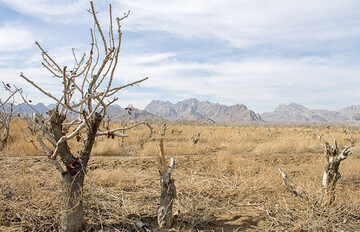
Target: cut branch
[[295, 189]]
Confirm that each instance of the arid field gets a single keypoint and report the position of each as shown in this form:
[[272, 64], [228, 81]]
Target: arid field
[[227, 181]]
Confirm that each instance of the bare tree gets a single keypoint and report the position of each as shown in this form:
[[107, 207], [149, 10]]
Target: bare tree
[[6, 113], [87, 93]]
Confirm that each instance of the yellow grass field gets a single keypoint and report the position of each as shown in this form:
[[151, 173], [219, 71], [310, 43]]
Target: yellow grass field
[[228, 181]]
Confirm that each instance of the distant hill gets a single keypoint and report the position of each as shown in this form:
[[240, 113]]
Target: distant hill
[[207, 112], [30, 109], [296, 113], [193, 109], [115, 112]]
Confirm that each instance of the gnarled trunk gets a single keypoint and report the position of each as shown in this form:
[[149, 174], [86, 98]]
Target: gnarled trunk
[[333, 157], [72, 219], [73, 177]]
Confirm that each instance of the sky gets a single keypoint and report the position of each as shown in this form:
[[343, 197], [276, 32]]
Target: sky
[[260, 53]]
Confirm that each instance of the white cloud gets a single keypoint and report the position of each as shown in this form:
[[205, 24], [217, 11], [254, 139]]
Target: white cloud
[[64, 11], [286, 28], [261, 84], [241, 23], [245, 23], [15, 38]]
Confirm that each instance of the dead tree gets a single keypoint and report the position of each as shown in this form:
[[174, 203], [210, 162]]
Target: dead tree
[[163, 132], [195, 139], [6, 113], [87, 92], [168, 190], [333, 157], [150, 128]]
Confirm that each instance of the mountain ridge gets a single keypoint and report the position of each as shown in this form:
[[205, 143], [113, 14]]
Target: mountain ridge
[[296, 113], [193, 109]]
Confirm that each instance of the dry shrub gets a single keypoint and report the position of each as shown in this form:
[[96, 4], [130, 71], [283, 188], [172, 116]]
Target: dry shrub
[[19, 143], [29, 202]]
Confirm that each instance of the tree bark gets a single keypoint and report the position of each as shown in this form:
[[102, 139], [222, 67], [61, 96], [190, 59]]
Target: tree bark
[[168, 194], [72, 211], [168, 190]]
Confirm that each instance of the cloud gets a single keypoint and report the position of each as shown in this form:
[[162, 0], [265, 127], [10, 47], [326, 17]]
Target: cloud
[[15, 38], [65, 11], [260, 53], [259, 83], [239, 23], [247, 23]]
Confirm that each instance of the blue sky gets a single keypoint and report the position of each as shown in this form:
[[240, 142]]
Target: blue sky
[[256, 52]]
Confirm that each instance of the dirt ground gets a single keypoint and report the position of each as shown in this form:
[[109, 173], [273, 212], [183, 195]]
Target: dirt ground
[[223, 184]]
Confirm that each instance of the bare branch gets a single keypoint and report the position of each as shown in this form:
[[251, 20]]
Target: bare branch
[[49, 57], [98, 26], [12, 94], [296, 190]]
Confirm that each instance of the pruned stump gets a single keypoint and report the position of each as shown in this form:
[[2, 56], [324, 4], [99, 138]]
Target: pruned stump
[[195, 139], [333, 157], [168, 190]]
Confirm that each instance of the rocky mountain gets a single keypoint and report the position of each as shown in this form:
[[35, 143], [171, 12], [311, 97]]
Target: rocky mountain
[[351, 113], [115, 112], [296, 113], [162, 109], [135, 115], [29, 109], [205, 111], [193, 109]]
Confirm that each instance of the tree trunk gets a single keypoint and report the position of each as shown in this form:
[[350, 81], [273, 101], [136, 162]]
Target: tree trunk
[[73, 177], [330, 178], [333, 157], [168, 190], [72, 210], [6, 124], [168, 194]]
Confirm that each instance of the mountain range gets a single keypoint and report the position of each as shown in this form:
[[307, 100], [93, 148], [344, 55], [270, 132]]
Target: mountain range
[[296, 113], [205, 111], [193, 109], [115, 112]]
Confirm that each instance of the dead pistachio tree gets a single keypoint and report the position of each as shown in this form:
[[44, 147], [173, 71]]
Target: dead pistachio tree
[[333, 158], [195, 139], [168, 190], [163, 131], [130, 110], [6, 113], [87, 92]]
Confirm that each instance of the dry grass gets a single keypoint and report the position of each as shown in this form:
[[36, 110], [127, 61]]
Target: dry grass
[[228, 181]]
